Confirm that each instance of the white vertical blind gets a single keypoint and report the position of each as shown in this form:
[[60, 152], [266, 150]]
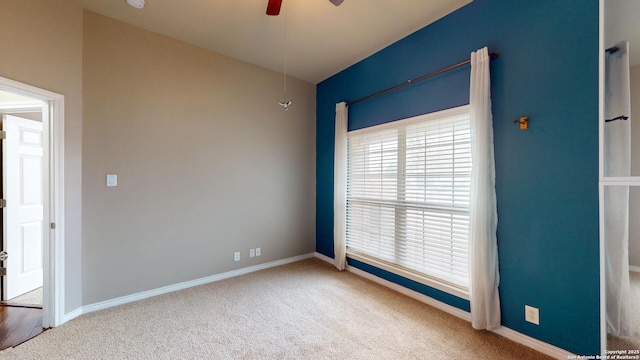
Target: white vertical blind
[[408, 194]]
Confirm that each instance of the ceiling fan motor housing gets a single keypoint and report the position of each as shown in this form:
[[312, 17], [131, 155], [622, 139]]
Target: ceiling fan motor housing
[[273, 7]]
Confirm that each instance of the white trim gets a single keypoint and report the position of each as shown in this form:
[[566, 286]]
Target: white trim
[[603, 285], [425, 280], [392, 285], [72, 315], [412, 294], [181, 286], [458, 110], [621, 181], [634, 268], [534, 344], [53, 250], [324, 258], [453, 280], [601, 90], [605, 181], [601, 258], [58, 243], [21, 106], [502, 331], [506, 332]]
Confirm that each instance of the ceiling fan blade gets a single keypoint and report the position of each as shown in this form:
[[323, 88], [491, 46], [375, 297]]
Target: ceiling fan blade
[[273, 7], [336, 2]]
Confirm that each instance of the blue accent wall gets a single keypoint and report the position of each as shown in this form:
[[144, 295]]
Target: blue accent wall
[[546, 177]]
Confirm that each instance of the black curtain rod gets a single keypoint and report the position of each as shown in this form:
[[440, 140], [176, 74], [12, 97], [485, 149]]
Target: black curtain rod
[[612, 50], [621, 117], [492, 55]]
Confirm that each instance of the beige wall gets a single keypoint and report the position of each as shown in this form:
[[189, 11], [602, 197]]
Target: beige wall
[[207, 162], [41, 45], [634, 193]]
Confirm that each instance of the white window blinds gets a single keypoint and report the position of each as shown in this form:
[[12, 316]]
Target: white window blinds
[[408, 194]]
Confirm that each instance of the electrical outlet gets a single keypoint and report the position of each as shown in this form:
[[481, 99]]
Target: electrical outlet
[[532, 314], [257, 251], [252, 253], [236, 256]]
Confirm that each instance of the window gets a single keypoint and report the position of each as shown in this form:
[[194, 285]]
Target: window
[[408, 188]]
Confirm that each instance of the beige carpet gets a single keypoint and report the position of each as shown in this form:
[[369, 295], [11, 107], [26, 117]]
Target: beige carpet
[[629, 342], [31, 298], [304, 310]]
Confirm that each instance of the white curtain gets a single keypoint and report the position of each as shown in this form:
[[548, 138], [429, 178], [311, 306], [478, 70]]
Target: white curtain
[[483, 244], [617, 162], [340, 188]]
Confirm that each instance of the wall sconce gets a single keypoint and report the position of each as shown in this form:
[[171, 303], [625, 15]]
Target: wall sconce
[[523, 121]]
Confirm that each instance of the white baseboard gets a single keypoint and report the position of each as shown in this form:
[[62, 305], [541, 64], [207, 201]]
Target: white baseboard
[[181, 286], [631, 268], [512, 335], [535, 344], [72, 315], [506, 332], [412, 294], [324, 258]]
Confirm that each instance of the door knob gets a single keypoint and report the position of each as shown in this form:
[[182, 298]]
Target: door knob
[[3, 255]]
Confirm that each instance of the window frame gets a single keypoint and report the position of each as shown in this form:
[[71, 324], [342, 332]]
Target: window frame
[[420, 277]]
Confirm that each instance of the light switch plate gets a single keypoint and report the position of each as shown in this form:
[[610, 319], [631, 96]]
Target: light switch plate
[[112, 180]]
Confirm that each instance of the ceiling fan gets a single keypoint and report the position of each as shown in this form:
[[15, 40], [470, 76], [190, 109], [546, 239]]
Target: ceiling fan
[[273, 7]]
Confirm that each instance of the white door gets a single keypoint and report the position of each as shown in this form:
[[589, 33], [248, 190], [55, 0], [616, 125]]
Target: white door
[[22, 175]]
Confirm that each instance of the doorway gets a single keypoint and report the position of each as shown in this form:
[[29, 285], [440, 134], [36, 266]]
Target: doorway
[[22, 221], [52, 191], [619, 190], [22, 193]]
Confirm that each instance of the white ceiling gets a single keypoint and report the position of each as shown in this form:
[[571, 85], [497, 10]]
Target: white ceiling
[[322, 39], [621, 23]]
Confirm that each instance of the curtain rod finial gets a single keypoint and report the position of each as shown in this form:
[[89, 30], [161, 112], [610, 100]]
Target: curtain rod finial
[[523, 121]]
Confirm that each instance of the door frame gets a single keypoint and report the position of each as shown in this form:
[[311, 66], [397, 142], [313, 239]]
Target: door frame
[[605, 181], [53, 193], [601, 245]]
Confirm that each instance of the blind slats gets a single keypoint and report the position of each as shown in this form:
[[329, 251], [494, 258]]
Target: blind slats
[[408, 195]]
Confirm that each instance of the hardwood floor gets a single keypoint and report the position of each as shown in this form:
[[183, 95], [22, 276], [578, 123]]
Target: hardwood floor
[[18, 324]]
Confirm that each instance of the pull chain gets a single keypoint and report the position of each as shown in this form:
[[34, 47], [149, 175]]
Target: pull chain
[[286, 103]]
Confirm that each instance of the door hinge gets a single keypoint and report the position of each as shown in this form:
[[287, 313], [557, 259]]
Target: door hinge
[[3, 203], [53, 226], [3, 135]]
